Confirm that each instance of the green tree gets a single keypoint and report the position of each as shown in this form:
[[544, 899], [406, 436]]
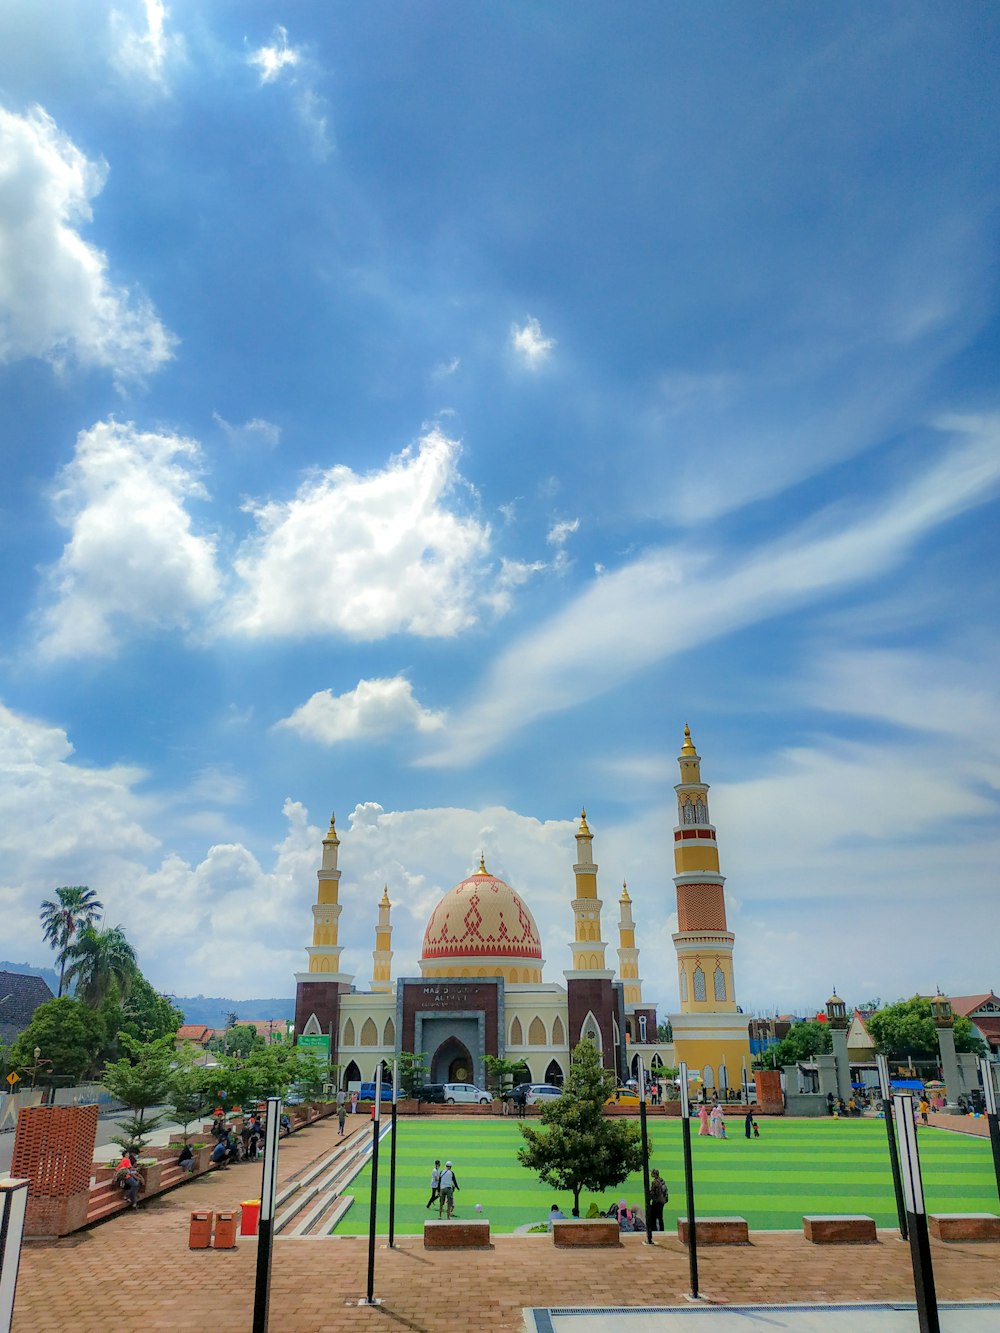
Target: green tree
[[141, 1079], [804, 1041], [579, 1147], [238, 1040], [664, 1032], [907, 1028], [66, 1031], [500, 1074], [100, 962], [190, 1089], [75, 907], [412, 1073]]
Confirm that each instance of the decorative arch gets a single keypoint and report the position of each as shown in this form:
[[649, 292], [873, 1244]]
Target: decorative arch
[[352, 1074], [655, 1061], [708, 1077], [700, 993], [554, 1073], [389, 1035], [369, 1033], [590, 1030], [349, 1038], [558, 1032], [683, 984], [719, 982], [452, 1063], [536, 1033], [516, 1035]]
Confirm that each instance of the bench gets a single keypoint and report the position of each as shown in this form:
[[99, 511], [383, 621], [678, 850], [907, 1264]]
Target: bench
[[455, 1235], [586, 1232], [716, 1231], [964, 1226], [840, 1229]]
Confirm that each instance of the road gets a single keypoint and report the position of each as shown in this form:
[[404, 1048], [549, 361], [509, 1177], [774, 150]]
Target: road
[[104, 1148]]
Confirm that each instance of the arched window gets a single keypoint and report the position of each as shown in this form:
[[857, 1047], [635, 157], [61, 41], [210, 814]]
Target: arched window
[[558, 1032], [687, 813], [719, 980], [369, 1033], [656, 1062], [352, 1074], [591, 1031], [708, 1077], [628, 1026], [683, 984], [699, 986], [516, 1035], [536, 1033], [349, 1038], [389, 1035], [554, 1073], [700, 812]]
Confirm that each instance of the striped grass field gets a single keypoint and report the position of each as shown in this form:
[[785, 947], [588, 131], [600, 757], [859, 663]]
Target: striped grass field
[[795, 1167]]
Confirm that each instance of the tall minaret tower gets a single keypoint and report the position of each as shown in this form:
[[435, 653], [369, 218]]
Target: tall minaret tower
[[382, 953], [709, 1033], [628, 954], [595, 1000], [318, 991]]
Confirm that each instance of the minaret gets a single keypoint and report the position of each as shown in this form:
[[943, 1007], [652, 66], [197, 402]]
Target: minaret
[[709, 1033], [588, 947], [628, 954], [594, 999], [382, 953], [317, 991]]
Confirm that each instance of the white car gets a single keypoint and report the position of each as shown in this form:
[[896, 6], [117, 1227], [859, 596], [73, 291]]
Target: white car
[[466, 1092], [542, 1092]]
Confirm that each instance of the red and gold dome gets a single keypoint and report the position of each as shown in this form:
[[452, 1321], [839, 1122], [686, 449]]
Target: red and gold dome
[[482, 928]]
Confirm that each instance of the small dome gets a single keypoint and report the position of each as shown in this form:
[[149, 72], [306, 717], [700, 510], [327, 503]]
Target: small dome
[[481, 918]]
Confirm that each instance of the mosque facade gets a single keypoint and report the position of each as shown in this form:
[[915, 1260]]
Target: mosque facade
[[481, 991]]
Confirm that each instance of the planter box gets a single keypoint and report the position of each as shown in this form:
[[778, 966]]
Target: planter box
[[151, 1173], [840, 1229], [716, 1231], [457, 1235], [586, 1233], [965, 1226]]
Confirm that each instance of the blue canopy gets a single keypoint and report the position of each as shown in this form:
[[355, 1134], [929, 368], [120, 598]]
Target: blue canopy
[[904, 1083]]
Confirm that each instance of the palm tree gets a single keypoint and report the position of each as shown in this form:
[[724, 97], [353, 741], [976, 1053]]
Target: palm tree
[[99, 960], [75, 907]]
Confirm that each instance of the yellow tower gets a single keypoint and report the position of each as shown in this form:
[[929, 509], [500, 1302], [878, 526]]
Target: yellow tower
[[588, 947], [709, 1032], [318, 990], [628, 954], [382, 953]]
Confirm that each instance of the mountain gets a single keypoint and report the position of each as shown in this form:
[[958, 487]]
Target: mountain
[[208, 1009]]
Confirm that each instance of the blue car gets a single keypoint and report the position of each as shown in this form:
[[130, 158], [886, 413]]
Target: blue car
[[366, 1093]]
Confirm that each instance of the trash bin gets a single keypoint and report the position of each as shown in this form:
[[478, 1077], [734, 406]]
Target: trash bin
[[200, 1231], [225, 1231], [249, 1217]]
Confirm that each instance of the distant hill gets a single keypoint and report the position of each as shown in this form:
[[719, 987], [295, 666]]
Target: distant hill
[[208, 1009], [48, 974]]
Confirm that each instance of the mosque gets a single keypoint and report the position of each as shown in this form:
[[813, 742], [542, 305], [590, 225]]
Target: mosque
[[481, 991]]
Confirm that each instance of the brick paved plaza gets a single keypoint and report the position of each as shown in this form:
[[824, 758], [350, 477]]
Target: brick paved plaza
[[135, 1272]]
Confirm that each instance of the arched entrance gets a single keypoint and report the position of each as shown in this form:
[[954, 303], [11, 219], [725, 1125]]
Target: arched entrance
[[352, 1074], [452, 1063], [554, 1074]]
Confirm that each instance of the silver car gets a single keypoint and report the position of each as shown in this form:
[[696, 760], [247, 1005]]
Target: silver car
[[466, 1092]]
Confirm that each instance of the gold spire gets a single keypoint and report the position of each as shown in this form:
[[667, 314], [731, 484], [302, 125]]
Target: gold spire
[[482, 864], [385, 897], [332, 833], [583, 822], [688, 746], [624, 898]]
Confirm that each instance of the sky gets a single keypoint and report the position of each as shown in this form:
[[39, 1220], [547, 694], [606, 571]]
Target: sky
[[421, 412]]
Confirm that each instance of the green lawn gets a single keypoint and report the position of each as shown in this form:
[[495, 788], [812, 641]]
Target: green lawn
[[795, 1167]]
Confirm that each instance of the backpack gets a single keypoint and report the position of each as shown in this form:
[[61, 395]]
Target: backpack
[[658, 1191]]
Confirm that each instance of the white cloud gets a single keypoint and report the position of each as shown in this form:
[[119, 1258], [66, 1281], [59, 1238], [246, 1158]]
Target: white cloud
[[365, 556], [374, 708], [55, 298], [141, 46], [558, 535], [132, 554], [513, 574], [253, 433], [529, 342], [445, 369], [270, 61], [669, 602]]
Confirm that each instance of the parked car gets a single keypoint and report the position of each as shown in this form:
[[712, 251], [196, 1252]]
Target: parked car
[[623, 1097], [466, 1092], [542, 1092], [366, 1093], [431, 1092]]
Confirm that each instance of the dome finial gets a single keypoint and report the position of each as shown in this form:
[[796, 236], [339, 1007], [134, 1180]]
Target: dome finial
[[625, 896], [331, 835], [482, 864], [688, 746], [385, 897], [584, 829]]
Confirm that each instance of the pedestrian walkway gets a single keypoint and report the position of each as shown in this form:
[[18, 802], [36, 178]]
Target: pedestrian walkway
[[969, 1318], [135, 1273]]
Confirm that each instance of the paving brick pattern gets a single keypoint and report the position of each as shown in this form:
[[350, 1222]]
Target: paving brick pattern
[[135, 1274]]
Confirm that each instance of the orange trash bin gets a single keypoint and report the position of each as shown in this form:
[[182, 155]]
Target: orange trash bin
[[200, 1231], [225, 1231], [249, 1217]]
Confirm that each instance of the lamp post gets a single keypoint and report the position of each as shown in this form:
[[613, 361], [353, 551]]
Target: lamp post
[[944, 1020]]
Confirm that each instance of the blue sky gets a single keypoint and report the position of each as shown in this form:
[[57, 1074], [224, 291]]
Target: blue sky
[[422, 411]]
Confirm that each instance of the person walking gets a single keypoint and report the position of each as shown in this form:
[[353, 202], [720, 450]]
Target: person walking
[[341, 1117], [718, 1118], [702, 1121], [449, 1184], [435, 1182], [658, 1196], [749, 1124], [925, 1107]]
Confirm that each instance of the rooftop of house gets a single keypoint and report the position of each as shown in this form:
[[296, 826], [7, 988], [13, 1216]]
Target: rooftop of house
[[20, 996]]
